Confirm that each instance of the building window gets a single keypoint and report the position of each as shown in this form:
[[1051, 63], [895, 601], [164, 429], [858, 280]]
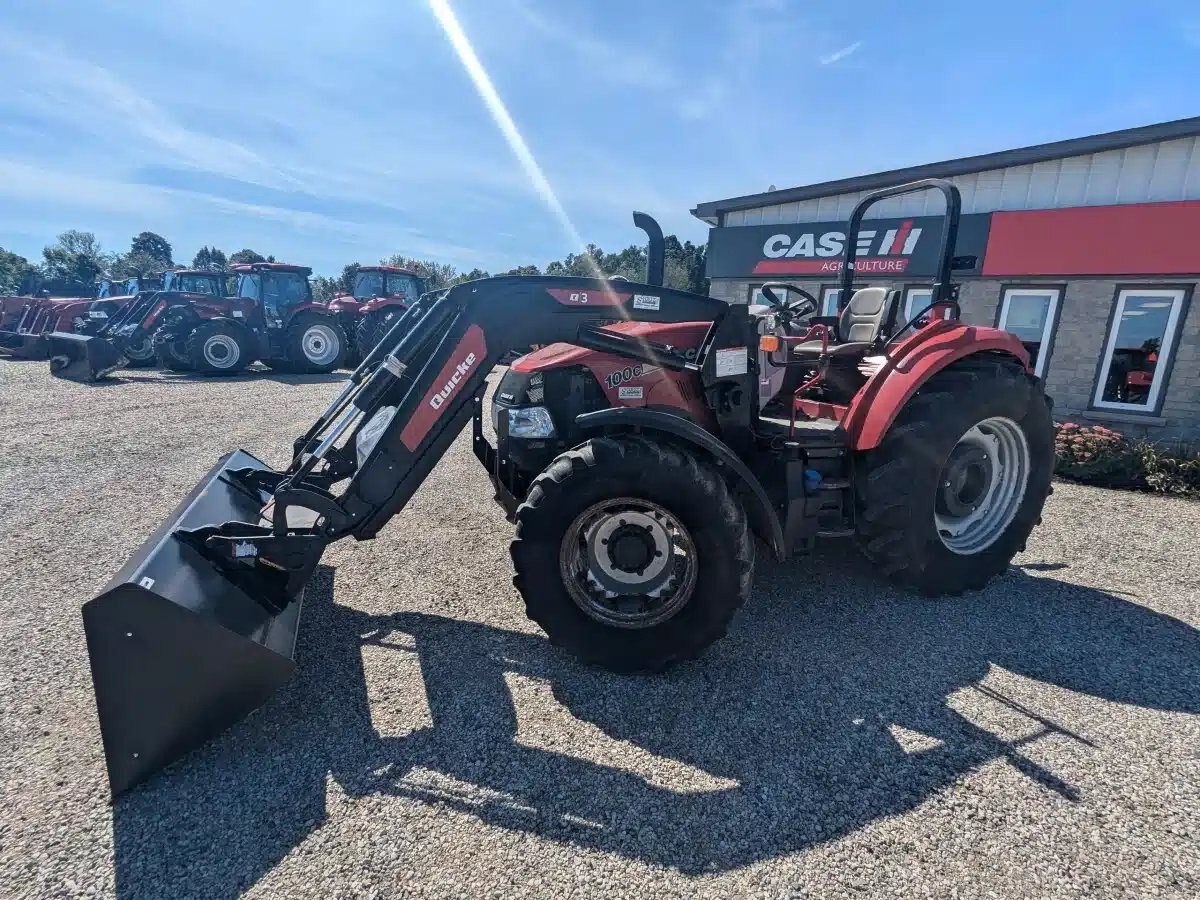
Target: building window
[[829, 301], [917, 300], [1030, 314], [757, 298], [1137, 354]]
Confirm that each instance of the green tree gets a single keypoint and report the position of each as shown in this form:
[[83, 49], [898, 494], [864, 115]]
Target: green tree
[[154, 246], [683, 268], [325, 289], [245, 256], [72, 265], [16, 274], [437, 275], [210, 259], [349, 273], [474, 275], [140, 263], [523, 270]]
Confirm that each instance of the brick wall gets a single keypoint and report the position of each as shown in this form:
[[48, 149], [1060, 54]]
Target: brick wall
[[1079, 340]]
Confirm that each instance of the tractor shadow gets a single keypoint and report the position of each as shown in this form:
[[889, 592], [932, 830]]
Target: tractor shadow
[[784, 730], [247, 375]]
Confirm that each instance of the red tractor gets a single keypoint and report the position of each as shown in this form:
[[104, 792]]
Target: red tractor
[[637, 460], [380, 295], [112, 297], [271, 318], [27, 322]]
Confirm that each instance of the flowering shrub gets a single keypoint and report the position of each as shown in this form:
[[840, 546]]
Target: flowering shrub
[[1093, 454]]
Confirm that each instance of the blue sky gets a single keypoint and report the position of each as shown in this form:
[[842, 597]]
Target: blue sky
[[324, 132]]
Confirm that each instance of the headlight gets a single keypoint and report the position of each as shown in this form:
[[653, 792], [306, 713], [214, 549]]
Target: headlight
[[530, 422]]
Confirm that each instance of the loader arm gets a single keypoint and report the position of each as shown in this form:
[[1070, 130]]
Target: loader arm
[[435, 361]]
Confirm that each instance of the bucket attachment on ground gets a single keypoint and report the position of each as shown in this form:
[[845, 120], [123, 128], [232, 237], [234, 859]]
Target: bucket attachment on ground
[[82, 357], [182, 643], [22, 345]]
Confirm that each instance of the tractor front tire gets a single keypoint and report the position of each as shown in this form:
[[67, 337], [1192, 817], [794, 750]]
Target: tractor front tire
[[629, 512], [141, 355], [315, 344], [371, 330], [218, 347], [172, 354], [956, 486]]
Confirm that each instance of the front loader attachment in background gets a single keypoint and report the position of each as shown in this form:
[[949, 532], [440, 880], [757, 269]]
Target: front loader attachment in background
[[82, 357], [181, 647], [23, 345]]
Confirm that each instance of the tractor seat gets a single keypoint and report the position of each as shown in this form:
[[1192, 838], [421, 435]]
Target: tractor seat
[[869, 313]]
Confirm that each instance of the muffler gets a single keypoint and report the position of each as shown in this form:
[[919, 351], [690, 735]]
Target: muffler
[[82, 357], [181, 643]]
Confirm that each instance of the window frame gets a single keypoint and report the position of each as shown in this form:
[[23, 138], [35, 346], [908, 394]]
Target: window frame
[[826, 289], [906, 295], [1182, 295], [752, 288], [1049, 330]]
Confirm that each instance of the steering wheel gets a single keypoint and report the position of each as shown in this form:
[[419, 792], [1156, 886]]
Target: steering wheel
[[804, 305]]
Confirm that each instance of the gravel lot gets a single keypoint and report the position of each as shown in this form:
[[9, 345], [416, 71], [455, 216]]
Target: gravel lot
[[1040, 739]]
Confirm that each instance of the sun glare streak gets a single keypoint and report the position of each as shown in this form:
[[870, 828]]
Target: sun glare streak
[[504, 121]]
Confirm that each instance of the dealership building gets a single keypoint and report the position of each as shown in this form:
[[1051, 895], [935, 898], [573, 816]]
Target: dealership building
[[1087, 249]]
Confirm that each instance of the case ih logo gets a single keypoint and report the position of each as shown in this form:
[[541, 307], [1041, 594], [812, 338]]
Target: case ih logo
[[811, 252], [459, 371]]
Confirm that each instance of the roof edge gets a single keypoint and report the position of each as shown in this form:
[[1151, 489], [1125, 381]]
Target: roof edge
[[1095, 143]]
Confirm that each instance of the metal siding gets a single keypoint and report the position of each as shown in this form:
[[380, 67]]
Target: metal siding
[[1167, 170], [1169, 179]]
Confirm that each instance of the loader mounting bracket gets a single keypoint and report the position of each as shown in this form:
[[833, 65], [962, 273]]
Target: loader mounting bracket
[[272, 568]]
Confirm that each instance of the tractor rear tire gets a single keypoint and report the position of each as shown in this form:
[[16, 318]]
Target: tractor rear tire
[[622, 486], [315, 344], [218, 347], [959, 480], [371, 330]]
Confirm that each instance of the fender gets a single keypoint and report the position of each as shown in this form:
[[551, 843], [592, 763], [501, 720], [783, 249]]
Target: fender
[[915, 361], [763, 518]]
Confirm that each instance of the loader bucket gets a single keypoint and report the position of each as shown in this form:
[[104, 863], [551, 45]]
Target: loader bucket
[[178, 651], [22, 345], [82, 357]]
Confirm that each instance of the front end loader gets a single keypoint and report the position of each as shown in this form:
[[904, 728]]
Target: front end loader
[[633, 543]]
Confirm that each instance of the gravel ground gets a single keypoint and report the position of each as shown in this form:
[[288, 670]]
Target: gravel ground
[[1037, 740]]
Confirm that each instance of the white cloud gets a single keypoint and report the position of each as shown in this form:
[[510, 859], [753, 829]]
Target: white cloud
[[838, 55], [56, 84]]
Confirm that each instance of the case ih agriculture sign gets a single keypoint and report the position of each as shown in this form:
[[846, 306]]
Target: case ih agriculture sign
[[886, 247]]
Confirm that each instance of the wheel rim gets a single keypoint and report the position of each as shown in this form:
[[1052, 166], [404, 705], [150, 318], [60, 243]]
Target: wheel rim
[[981, 485], [628, 563], [320, 345], [221, 351], [142, 350]]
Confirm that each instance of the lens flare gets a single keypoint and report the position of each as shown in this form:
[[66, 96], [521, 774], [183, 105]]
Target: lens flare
[[504, 121]]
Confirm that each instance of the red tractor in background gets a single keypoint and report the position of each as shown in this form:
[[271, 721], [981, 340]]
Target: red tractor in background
[[110, 301], [271, 318], [380, 295]]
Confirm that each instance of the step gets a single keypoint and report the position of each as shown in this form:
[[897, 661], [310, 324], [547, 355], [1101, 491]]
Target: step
[[834, 484], [836, 532]]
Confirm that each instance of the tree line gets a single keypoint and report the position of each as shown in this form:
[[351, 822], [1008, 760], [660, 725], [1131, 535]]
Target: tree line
[[72, 265]]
